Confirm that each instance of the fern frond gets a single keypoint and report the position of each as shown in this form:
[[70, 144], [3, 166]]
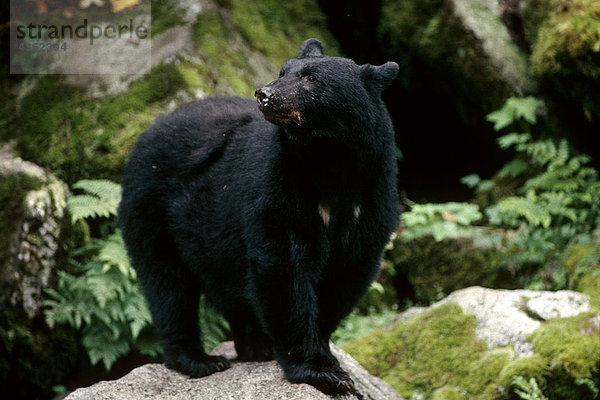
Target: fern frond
[[113, 252], [85, 206], [513, 139], [514, 207], [101, 199], [101, 188], [513, 169]]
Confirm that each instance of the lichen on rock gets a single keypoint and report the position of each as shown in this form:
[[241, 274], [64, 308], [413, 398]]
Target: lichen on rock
[[33, 223]]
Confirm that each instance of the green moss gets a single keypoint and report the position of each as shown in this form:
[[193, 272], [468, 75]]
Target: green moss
[[590, 285], [226, 67], [277, 29], [582, 264], [571, 345], [449, 393], [430, 351], [534, 366], [484, 371], [192, 78], [164, 16], [435, 269], [437, 355], [566, 48], [77, 137]]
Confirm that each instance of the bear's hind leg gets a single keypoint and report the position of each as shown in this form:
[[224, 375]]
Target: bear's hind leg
[[173, 297]]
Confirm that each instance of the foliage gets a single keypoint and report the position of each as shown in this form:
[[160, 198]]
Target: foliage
[[512, 110], [447, 220], [553, 205], [100, 295], [558, 203], [527, 390], [102, 199]]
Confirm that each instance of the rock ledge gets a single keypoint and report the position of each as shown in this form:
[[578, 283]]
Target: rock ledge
[[243, 381]]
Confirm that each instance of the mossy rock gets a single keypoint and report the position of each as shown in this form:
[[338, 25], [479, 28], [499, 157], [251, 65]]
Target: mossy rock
[[582, 265], [37, 237], [433, 269], [438, 354], [462, 47], [565, 37], [57, 126]]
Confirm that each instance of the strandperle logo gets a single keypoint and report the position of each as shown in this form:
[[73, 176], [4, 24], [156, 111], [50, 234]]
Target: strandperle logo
[[82, 31], [94, 37]]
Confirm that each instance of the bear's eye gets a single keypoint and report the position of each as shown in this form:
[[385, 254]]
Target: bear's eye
[[310, 78], [281, 73]]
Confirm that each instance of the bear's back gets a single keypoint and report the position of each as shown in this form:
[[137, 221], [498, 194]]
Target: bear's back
[[193, 136]]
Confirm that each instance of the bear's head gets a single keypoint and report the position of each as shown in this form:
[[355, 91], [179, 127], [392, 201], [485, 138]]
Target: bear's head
[[322, 93]]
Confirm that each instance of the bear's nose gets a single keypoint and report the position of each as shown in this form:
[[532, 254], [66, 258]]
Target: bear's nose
[[263, 95]]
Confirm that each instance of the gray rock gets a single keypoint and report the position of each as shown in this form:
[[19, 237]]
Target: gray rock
[[243, 381], [32, 226], [507, 317], [483, 19]]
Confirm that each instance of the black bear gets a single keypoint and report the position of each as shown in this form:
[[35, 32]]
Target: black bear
[[278, 212]]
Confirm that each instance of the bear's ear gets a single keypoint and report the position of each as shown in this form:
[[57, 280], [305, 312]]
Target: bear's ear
[[310, 48], [381, 76]]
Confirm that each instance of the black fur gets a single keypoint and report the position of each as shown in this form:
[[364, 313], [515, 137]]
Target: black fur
[[281, 224]]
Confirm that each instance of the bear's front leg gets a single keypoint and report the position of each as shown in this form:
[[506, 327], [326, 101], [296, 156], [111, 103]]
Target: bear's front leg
[[283, 294]]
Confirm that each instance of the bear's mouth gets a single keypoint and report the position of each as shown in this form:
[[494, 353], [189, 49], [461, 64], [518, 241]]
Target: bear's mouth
[[280, 117]]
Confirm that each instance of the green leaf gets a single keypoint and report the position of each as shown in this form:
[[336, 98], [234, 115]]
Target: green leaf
[[513, 169], [514, 109], [512, 139], [471, 181]]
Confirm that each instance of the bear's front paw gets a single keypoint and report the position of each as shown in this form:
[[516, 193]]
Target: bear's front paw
[[322, 372], [198, 365]]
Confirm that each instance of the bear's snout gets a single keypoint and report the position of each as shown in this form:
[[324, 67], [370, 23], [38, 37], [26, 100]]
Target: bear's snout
[[263, 95]]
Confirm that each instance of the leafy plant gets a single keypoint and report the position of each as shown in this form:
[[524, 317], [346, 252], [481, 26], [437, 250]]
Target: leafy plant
[[514, 109], [100, 295], [553, 203], [446, 220], [558, 203], [527, 390]]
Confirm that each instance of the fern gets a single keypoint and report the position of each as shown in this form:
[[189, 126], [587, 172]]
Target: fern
[[513, 169], [558, 203], [100, 295], [514, 109], [446, 220], [527, 390], [101, 200]]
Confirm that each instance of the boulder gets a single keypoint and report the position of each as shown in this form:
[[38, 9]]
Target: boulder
[[244, 380], [478, 343], [466, 47], [427, 269], [36, 235], [33, 223], [507, 317]]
